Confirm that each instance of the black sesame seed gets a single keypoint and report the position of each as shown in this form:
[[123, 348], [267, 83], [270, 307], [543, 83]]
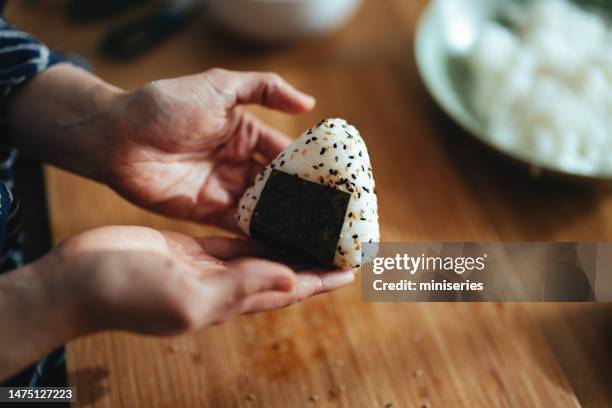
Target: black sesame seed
[[351, 157], [362, 219], [360, 153], [349, 165], [331, 126], [335, 145], [350, 215], [322, 151], [314, 138], [281, 163], [344, 147], [315, 167], [366, 189], [308, 141], [320, 164], [355, 236], [353, 177]]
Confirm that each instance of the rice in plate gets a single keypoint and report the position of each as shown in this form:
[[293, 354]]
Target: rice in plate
[[543, 85]]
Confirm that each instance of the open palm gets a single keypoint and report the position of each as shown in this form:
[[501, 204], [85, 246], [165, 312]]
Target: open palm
[[184, 148], [158, 282]]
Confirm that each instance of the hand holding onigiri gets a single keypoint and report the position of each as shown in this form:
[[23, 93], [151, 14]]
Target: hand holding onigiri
[[317, 199]]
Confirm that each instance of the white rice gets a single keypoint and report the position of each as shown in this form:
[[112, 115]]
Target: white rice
[[544, 87], [332, 153]]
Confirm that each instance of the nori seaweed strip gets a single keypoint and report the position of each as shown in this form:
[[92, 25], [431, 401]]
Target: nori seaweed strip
[[303, 217]]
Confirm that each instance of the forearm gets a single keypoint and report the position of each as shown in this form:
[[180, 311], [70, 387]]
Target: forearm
[[58, 117], [34, 318]]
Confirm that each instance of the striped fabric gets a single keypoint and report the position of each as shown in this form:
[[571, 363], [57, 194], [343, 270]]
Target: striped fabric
[[21, 58]]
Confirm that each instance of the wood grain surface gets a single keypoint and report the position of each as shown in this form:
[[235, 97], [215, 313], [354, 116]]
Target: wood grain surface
[[336, 350]]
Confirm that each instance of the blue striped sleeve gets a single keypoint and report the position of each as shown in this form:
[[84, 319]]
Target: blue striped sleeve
[[6, 204], [21, 57]]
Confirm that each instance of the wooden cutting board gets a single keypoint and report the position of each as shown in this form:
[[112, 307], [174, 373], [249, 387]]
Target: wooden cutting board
[[336, 350]]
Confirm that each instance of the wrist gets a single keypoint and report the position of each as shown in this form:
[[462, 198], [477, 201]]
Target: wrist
[[94, 128], [61, 117], [34, 319], [65, 285], [53, 297]]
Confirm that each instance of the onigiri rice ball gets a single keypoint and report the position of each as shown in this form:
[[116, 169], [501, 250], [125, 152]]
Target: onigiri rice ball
[[317, 198]]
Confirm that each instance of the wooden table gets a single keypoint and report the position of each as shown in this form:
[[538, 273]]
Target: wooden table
[[336, 350]]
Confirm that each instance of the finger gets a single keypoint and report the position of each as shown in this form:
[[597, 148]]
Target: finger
[[272, 91], [307, 285], [255, 136], [259, 275], [228, 222], [266, 301], [226, 291], [227, 249], [251, 276], [255, 169], [246, 277], [266, 89], [316, 282], [271, 142]]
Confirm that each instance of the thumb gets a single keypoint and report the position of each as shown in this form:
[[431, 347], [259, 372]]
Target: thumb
[[263, 88], [251, 275], [227, 290]]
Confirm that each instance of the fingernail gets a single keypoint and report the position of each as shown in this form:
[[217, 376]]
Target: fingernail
[[310, 101]]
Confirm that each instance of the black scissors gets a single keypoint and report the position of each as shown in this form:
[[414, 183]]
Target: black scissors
[[136, 37]]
